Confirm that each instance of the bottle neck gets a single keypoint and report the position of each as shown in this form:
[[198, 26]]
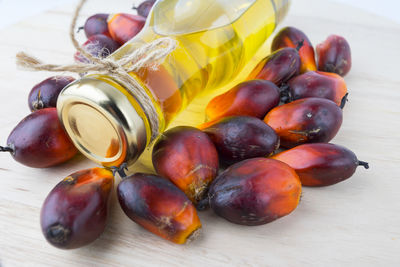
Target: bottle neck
[[103, 120], [281, 9]]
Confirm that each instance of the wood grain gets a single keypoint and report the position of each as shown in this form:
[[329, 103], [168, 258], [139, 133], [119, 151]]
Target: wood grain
[[354, 223]]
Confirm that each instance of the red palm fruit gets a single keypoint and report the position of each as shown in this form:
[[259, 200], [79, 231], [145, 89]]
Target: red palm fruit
[[96, 24], [321, 164], [255, 191], [145, 7], [123, 27], [308, 120], [188, 158], [293, 37], [279, 67], [159, 206], [45, 93], [99, 46], [261, 96], [241, 137], [334, 55], [75, 212], [40, 141], [318, 84]]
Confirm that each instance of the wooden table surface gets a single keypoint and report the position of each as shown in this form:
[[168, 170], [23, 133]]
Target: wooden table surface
[[354, 223]]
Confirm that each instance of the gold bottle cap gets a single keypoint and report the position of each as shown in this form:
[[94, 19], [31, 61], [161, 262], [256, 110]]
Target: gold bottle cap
[[100, 117]]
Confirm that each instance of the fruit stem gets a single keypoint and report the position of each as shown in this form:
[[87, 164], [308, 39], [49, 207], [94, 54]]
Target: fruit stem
[[80, 28], [299, 45], [203, 204], [58, 234], [6, 149], [344, 100], [285, 93], [134, 7], [364, 164], [120, 170], [194, 235], [38, 103]]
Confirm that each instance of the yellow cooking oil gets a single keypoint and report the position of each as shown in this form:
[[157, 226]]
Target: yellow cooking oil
[[216, 40], [217, 45]]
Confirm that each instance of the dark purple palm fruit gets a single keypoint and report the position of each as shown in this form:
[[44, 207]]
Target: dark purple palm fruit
[[96, 24], [144, 8], [334, 55], [45, 93], [99, 46]]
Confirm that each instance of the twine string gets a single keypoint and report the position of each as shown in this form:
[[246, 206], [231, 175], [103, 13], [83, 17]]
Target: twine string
[[149, 55]]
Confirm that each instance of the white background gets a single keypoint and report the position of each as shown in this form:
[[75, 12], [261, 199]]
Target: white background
[[12, 11]]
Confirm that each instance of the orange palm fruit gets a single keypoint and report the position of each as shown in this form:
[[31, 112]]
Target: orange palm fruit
[[308, 120], [123, 27], [318, 84], [188, 158], [261, 96], [255, 191], [334, 55], [321, 164], [159, 206], [293, 37], [39, 140], [278, 67], [75, 212]]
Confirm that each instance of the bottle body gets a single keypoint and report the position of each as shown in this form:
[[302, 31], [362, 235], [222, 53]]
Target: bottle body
[[216, 39]]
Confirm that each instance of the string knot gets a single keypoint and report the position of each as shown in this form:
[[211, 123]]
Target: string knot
[[111, 66]]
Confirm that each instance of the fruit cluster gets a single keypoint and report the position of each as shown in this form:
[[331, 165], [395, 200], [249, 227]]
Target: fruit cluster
[[264, 139], [106, 33], [301, 110], [39, 140]]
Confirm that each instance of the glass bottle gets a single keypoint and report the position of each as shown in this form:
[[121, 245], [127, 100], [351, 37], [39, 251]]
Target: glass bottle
[[216, 39]]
